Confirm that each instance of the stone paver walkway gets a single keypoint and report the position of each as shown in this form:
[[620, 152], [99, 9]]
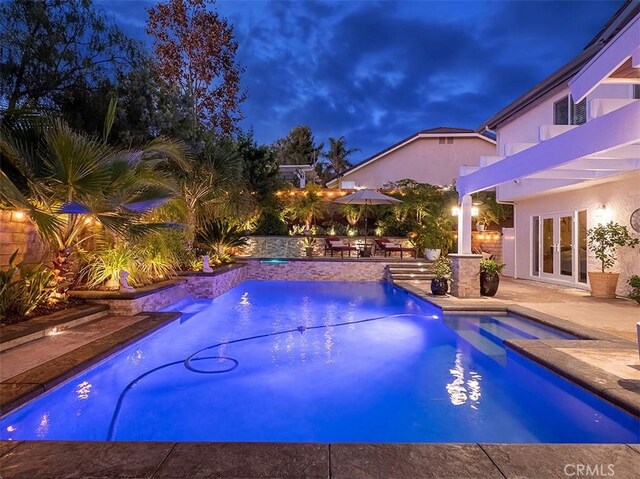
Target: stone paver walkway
[[153, 460]]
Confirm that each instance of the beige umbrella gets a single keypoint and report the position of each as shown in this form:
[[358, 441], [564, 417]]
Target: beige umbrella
[[366, 198]]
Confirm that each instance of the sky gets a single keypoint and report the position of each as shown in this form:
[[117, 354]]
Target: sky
[[376, 72]]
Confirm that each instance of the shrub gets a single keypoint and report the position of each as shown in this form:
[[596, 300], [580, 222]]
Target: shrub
[[490, 267], [634, 282], [270, 223], [219, 238], [22, 290], [442, 267]]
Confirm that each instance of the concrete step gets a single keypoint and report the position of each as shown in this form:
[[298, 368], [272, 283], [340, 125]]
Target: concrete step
[[413, 277], [412, 264]]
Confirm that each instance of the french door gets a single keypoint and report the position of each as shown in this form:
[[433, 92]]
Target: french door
[[559, 246]]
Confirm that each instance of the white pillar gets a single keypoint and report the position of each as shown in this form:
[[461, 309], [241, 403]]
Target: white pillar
[[464, 226]]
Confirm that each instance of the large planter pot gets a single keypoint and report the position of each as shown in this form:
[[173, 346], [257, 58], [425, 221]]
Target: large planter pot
[[480, 227], [489, 284], [603, 285], [432, 254], [439, 286]]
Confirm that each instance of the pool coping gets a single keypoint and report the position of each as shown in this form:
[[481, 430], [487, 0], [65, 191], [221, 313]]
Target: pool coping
[[622, 393], [194, 460], [18, 390], [13, 335]]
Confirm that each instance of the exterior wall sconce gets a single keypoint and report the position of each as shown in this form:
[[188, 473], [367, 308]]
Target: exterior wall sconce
[[455, 211], [600, 214]]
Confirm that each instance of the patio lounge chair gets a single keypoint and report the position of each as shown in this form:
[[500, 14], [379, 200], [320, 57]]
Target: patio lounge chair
[[387, 247], [333, 243]]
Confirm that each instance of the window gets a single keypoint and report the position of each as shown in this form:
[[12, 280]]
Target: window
[[566, 112], [449, 141], [445, 140], [636, 92]]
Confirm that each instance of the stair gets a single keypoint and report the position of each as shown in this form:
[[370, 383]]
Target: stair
[[414, 271]]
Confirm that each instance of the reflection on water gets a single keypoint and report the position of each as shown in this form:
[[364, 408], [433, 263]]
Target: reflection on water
[[43, 428], [135, 357], [84, 389], [462, 391]]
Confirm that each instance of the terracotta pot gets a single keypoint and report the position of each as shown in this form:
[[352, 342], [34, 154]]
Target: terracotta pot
[[439, 286], [603, 285], [489, 284]]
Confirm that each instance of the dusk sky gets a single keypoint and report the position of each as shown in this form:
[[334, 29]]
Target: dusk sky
[[377, 72]]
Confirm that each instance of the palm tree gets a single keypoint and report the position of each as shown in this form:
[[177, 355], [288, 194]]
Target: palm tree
[[308, 207], [337, 155], [65, 180]]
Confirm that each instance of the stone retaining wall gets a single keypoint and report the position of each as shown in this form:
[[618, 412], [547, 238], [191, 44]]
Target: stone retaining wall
[[293, 246], [18, 233], [314, 270]]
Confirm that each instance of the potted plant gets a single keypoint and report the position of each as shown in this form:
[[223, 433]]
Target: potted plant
[[634, 282], [309, 243], [434, 237], [486, 216], [442, 274], [489, 277], [604, 240]]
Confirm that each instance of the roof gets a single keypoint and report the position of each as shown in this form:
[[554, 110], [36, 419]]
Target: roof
[[561, 76], [430, 133]]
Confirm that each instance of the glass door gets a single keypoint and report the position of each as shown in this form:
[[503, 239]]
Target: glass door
[[557, 255]]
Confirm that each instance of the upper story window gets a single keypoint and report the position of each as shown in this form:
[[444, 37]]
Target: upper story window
[[636, 92], [445, 140], [566, 112]]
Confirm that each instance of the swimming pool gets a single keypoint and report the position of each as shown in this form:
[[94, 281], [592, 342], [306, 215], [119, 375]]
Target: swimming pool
[[323, 362]]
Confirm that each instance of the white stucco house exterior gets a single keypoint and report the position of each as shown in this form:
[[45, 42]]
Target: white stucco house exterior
[[431, 156], [568, 158]]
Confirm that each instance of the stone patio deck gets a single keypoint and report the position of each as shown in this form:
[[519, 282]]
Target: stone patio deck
[[609, 358], [166, 460]]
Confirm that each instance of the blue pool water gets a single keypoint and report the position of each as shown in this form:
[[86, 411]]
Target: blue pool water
[[411, 376]]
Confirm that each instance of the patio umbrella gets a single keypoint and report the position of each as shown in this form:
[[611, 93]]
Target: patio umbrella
[[366, 198]]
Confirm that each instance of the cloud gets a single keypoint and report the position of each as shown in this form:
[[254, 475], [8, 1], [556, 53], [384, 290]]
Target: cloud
[[376, 72]]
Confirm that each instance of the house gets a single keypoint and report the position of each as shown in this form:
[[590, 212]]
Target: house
[[568, 158], [430, 156], [295, 174]]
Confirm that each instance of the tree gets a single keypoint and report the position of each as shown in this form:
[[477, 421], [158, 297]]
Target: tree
[[196, 50], [337, 155], [69, 179], [260, 168], [50, 46], [298, 147]]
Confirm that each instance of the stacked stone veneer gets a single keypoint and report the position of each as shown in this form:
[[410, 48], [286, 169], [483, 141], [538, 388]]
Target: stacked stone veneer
[[202, 285], [293, 246], [18, 233], [466, 278], [313, 270], [488, 242]]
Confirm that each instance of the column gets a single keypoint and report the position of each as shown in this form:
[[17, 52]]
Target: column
[[464, 225]]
